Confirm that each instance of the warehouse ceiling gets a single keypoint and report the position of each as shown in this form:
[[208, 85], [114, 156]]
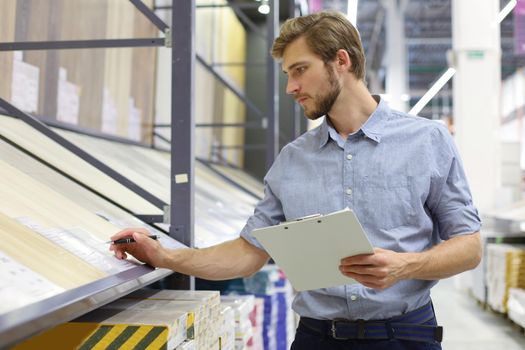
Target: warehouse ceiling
[[428, 32]]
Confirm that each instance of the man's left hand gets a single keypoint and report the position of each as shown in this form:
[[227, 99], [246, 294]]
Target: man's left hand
[[379, 270]]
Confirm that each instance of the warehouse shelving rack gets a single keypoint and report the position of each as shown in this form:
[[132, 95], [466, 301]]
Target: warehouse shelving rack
[[26, 321]]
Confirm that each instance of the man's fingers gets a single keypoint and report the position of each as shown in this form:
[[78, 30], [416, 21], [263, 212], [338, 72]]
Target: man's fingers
[[363, 259], [367, 280], [128, 232], [120, 255]]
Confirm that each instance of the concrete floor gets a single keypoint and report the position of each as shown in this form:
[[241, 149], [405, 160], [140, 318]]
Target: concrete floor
[[467, 326]]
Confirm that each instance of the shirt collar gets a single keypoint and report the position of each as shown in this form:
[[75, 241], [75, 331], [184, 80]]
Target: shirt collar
[[372, 128]]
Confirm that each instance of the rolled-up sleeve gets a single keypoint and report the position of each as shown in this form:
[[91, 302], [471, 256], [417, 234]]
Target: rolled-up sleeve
[[268, 212], [450, 199]]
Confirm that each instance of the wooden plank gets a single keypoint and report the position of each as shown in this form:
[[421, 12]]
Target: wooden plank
[[83, 20], [40, 145], [7, 34], [23, 196], [117, 77], [36, 28], [233, 49], [61, 184], [143, 74], [40, 255]]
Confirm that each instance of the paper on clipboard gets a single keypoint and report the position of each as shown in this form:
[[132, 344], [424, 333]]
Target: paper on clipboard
[[309, 250]]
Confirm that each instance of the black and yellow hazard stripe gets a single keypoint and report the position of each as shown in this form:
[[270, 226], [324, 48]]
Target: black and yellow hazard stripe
[[93, 336], [190, 326], [113, 337]]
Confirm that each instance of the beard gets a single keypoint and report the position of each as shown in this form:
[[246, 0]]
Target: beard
[[323, 102]]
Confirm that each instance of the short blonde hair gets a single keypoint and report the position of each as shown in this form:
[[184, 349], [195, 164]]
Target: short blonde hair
[[325, 33]]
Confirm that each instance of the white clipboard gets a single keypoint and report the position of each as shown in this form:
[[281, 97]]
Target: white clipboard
[[310, 249]]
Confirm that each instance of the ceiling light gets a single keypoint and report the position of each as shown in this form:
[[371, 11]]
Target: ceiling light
[[506, 10], [264, 9], [433, 91], [451, 71]]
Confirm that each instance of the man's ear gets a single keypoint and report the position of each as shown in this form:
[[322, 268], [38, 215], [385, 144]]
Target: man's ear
[[343, 61]]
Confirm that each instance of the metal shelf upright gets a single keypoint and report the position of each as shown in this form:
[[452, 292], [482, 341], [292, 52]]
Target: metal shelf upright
[[270, 119]]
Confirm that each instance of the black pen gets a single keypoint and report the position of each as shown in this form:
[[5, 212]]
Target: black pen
[[129, 240]]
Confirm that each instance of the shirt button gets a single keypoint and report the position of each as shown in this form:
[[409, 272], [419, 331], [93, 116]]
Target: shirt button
[[349, 157], [348, 191], [353, 298]]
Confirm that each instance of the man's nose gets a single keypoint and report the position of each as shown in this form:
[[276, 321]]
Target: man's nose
[[292, 87]]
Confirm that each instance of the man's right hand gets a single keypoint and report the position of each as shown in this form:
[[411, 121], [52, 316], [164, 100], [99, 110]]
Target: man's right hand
[[230, 259], [144, 249]]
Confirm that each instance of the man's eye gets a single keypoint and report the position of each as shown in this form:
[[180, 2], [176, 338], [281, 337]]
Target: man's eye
[[301, 69]]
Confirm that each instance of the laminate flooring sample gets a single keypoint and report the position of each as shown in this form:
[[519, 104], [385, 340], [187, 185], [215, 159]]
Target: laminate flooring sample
[[43, 147]]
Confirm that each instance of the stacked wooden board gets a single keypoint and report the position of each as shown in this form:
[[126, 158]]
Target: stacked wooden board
[[221, 209], [53, 251], [516, 305], [110, 90], [167, 319], [505, 270]]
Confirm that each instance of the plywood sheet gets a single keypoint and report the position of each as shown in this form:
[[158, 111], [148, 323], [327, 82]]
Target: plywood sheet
[[117, 78], [7, 34], [39, 254], [36, 143], [39, 21], [59, 183], [143, 74], [85, 68], [24, 197], [221, 209]]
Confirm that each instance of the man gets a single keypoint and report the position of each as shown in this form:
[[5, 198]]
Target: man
[[400, 174]]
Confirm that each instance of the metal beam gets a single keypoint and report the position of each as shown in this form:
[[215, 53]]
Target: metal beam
[[272, 87], [29, 320], [248, 22], [227, 178], [232, 88], [146, 11], [245, 147], [247, 125], [234, 64], [374, 40], [211, 6], [150, 218], [162, 137], [44, 129], [89, 132], [182, 134], [80, 44]]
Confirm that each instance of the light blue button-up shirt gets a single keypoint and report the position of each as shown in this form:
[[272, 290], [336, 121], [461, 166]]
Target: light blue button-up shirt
[[401, 175]]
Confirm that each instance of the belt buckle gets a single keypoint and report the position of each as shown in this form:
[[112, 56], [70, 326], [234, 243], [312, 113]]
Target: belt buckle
[[334, 332]]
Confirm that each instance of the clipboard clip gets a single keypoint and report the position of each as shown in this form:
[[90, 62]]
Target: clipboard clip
[[301, 219], [307, 217]]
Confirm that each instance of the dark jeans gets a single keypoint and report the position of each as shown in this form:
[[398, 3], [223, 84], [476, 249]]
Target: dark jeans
[[307, 339]]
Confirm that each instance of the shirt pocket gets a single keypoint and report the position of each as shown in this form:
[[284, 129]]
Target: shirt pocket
[[387, 201]]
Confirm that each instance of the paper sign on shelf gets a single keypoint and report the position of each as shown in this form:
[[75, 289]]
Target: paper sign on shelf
[[134, 121], [68, 99], [20, 286], [109, 113], [24, 86]]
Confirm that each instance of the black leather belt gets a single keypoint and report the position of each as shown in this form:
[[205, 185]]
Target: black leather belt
[[417, 325]]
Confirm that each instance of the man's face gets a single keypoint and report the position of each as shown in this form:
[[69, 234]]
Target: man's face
[[312, 83]]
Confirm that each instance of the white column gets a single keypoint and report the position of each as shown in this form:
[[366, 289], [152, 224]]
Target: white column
[[477, 58], [396, 85]]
